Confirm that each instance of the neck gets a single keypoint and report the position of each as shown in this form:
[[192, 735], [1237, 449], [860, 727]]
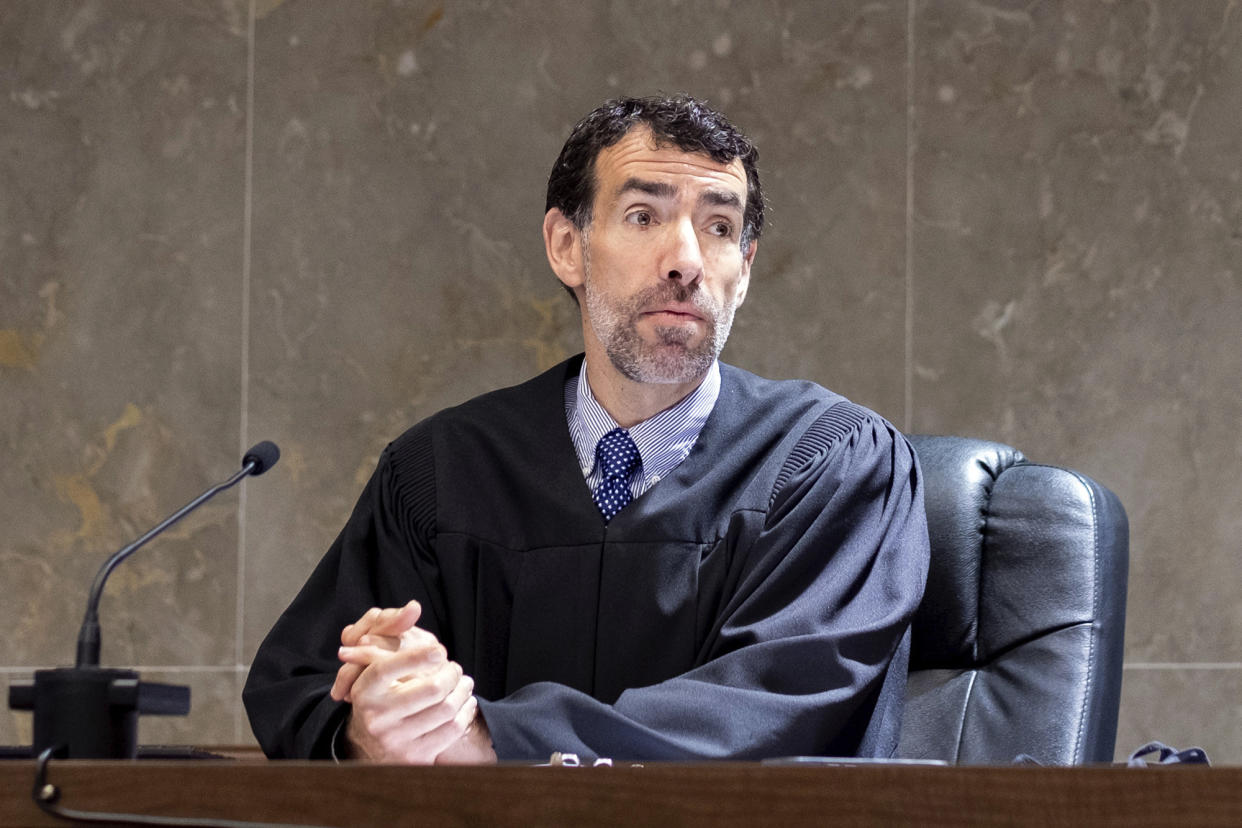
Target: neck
[[629, 402]]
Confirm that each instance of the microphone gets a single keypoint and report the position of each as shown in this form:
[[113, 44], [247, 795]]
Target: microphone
[[93, 713], [259, 459]]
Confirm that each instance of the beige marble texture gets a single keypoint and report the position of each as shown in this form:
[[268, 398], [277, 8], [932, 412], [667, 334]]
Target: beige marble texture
[[316, 222], [1077, 235], [121, 227], [1182, 706]]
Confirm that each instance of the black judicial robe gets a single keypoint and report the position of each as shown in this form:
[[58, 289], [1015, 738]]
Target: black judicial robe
[[754, 603]]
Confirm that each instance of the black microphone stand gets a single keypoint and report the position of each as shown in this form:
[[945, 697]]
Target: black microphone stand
[[89, 712]]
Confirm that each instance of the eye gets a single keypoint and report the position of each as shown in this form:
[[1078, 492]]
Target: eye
[[723, 229], [643, 218]]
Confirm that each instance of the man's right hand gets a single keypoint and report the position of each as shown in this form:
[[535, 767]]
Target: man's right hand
[[409, 701]]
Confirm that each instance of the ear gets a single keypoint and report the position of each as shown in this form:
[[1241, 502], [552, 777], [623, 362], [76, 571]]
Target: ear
[[743, 282], [563, 243]]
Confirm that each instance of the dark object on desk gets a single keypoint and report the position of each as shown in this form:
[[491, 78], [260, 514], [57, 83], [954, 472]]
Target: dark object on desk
[[87, 712], [91, 712], [1017, 646], [1165, 755]]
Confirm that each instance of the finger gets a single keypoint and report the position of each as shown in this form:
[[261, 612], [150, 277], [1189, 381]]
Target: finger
[[397, 746], [415, 661], [352, 632], [432, 716], [423, 736], [391, 621], [349, 672], [393, 692], [345, 678], [414, 637], [385, 737], [447, 734], [370, 630], [387, 642], [394, 665], [396, 620], [385, 706]]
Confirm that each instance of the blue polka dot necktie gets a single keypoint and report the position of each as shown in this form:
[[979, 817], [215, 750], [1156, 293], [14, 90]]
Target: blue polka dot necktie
[[617, 455]]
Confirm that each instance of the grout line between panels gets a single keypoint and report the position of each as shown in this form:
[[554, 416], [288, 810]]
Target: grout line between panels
[[244, 418], [908, 353]]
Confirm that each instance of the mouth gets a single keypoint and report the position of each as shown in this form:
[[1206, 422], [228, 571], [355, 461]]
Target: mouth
[[674, 314]]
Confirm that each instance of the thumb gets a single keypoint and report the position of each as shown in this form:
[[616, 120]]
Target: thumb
[[395, 622]]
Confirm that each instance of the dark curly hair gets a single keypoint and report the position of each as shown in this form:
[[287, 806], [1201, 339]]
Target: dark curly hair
[[679, 120]]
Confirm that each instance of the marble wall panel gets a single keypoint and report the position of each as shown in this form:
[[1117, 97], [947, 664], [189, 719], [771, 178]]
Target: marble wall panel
[[1183, 706], [401, 155], [1077, 237], [828, 299], [120, 227]]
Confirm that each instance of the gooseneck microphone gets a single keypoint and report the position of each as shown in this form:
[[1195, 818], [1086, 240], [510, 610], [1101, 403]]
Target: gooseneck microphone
[[86, 712], [256, 461]]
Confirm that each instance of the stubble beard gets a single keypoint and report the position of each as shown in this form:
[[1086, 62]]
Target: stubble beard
[[672, 358]]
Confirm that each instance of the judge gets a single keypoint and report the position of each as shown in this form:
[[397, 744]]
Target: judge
[[640, 554]]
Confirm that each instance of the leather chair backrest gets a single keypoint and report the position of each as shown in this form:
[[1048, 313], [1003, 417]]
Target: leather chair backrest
[[1017, 646]]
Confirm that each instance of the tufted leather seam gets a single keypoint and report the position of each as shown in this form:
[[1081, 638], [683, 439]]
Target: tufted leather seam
[[976, 647], [984, 515], [1035, 636], [1095, 617], [961, 727]]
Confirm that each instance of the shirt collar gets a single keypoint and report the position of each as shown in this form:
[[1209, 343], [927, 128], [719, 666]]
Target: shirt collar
[[663, 440]]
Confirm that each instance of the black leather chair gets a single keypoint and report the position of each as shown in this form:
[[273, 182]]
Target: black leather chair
[[1017, 646]]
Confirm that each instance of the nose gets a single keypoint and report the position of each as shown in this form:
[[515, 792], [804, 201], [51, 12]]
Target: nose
[[684, 257]]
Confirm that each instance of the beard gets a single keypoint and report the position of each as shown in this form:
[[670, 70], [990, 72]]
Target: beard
[[673, 357]]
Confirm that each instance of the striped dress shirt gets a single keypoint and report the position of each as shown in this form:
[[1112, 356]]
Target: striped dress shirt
[[663, 440]]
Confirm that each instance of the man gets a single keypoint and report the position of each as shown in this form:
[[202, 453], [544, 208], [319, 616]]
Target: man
[[641, 553]]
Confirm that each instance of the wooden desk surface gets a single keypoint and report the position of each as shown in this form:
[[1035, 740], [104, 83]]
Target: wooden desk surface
[[657, 794]]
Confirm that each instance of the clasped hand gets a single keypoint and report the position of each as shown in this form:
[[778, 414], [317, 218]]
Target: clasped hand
[[411, 704]]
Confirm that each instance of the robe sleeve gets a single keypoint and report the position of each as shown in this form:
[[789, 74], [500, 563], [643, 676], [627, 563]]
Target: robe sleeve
[[808, 654], [286, 693]]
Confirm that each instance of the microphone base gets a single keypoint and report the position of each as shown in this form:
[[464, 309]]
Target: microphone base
[[92, 712]]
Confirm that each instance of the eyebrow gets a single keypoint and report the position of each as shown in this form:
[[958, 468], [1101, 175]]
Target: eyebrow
[[721, 198], [657, 189], [662, 189]]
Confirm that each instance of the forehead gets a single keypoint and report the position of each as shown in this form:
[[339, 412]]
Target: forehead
[[637, 156]]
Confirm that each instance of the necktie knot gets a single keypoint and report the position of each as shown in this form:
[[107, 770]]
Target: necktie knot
[[617, 457]]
